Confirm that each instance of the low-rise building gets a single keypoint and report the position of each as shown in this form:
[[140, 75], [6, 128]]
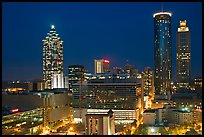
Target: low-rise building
[[100, 123], [149, 117], [180, 117], [56, 104], [121, 116], [197, 116]]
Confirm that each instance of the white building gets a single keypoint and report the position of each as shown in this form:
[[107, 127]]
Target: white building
[[58, 81], [121, 116]]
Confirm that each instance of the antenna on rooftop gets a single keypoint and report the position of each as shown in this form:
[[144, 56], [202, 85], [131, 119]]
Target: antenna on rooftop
[[162, 6]]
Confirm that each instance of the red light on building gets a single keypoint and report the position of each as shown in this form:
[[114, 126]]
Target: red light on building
[[106, 61], [14, 110]]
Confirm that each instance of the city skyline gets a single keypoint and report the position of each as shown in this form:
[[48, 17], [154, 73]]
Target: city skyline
[[109, 24]]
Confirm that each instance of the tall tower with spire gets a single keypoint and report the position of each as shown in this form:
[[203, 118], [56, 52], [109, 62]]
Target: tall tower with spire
[[162, 54], [52, 57]]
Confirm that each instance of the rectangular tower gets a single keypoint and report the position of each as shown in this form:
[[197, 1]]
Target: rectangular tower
[[148, 82], [101, 66], [183, 56]]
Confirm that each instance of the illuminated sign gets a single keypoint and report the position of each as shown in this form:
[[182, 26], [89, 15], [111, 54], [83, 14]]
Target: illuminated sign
[[106, 61], [14, 110]]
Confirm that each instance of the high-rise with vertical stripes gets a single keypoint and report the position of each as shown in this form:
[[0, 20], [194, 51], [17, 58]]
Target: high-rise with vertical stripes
[[162, 54]]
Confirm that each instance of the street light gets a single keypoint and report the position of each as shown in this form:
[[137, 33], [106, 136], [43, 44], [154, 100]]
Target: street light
[[71, 128], [152, 131]]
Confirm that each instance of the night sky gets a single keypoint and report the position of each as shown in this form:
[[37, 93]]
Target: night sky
[[119, 32]]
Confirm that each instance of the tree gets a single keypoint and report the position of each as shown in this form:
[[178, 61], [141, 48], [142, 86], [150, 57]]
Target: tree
[[134, 123], [163, 131], [198, 127], [191, 132], [142, 130]]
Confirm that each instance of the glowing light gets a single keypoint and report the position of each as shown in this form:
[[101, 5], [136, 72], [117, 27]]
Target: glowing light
[[152, 130], [106, 61], [14, 110], [71, 128], [133, 128], [52, 26], [161, 13]]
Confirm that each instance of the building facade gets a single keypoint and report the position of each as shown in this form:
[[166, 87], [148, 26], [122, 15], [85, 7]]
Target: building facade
[[75, 73], [100, 124], [52, 57], [105, 95], [180, 117], [29, 122], [56, 105], [149, 117], [148, 82], [57, 81], [197, 82], [130, 69], [183, 56], [101, 66], [162, 54]]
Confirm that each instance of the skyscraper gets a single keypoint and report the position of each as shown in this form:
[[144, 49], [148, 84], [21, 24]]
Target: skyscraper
[[130, 69], [162, 54], [101, 66], [52, 57], [148, 82], [183, 56]]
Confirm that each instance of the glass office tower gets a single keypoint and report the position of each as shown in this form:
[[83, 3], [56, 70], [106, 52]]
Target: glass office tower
[[162, 54], [52, 57]]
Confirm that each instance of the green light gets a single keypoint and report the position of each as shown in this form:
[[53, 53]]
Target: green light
[[105, 120]]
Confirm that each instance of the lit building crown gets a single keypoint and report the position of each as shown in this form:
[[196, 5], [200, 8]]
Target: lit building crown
[[183, 27], [162, 13], [52, 27]]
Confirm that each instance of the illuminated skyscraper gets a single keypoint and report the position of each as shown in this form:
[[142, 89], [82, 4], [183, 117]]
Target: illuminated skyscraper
[[183, 56], [52, 57], [148, 82], [162, 54], [101, 66]]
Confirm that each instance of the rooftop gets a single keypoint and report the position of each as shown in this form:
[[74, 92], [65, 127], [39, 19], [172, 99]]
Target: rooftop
[[149, 111], [162, 13]]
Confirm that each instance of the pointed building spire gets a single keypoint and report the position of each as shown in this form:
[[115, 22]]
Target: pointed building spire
[[52, 27]]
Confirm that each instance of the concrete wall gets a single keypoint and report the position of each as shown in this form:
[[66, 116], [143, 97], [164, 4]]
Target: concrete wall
[[149, 118]]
